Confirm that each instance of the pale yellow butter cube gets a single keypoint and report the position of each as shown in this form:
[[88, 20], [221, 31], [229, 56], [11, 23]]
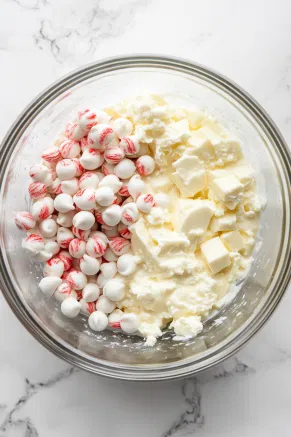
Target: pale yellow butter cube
[[233, 241], [215, 254], [227, 222]]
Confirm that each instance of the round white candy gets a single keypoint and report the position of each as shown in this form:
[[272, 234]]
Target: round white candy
[[70, 149], [89, 265], [38, 172], [84, 220], [102, 117], [162, 200], [130, 214], [42, 256], [114, 319], [108, 270], [124, 169], [51, 155], [54, 267], [70, 187], [66, 169], [55, 187], [64, 237], [90, 292], [67, 259], [105, 305], [65, 219], [42, 208], [129, 323], [145, 165], [91, 159], [130, 145], [80, 233], [89, 180], [100, 136], [87, 308], [135, 186], [49, 284], [114, 289], [114, 155], [99, 234], [109, 231], [48, 228], [101, 281], [77, 248], [74, 131], [145, 203], [122, 127], [112, 215], [33, 244], [70, 307], [126, 264], [119, 245], [51, 246], [96, 247], [85, 199], [64, 203], [124, 231], [107, 169], [77, 279], [112, 182], [98, 321], [109, 255], [104, 196]]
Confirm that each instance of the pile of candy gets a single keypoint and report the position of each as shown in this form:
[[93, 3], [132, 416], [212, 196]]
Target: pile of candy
[[79, 221]]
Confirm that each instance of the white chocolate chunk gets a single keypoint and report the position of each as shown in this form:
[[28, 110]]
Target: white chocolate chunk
[[216, 254], [190, 176], [233, 241]]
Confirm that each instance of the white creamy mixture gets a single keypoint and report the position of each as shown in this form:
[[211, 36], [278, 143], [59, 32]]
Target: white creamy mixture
[[193, 250]]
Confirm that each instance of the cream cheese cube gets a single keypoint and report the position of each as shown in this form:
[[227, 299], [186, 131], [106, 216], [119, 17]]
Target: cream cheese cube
[[227, 222], [233, 241], [193, 216], [190, 176], [215, 254], [228, 190]]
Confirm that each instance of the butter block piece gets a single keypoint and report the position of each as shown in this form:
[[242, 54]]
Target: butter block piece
[[215, 254], [228, 190], [233, 241], [227, 222], [192, 217], [190, 176]]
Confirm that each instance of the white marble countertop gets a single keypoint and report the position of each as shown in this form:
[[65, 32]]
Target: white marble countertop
[[249, 41]]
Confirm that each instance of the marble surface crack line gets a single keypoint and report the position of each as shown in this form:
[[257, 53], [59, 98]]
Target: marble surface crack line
[[30, 390]]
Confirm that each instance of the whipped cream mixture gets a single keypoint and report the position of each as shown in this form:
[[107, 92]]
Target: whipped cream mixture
[[199, 237]]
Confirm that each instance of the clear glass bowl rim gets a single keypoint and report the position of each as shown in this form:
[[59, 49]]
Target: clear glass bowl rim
[[225, 349]]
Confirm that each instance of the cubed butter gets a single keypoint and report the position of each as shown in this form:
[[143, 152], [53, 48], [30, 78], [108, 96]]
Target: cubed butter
[[190, 176], [193, 216], [233, 241], [215, 254], [228, 190], [227, 222]]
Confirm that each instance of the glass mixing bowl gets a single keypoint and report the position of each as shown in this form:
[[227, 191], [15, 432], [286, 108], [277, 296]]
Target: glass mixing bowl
[[185, 84]]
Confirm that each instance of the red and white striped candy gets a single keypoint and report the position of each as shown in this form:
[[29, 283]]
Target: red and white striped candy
[[119, 245], [84, 144], [50, 178], [96, 247], [113, 155], [77, 280], [77, 248], [87, 307], [64, 291], [130, 214], [89, 180], [114, 319], [54, 267], [55, 187], [37, 190], [117, 200], [42, 208], [130, 145], [33, 244], [38, 172], [79, 169], [66, 258], [145, 203], [79, 233], [74, 131], [124, 231], [124, 190], [64, 237], [85, 199], [70, 149], [107, 168], [87, 119], [24, 220], [109, 231], [52, 154], [100, 136], [145, 165], [98, 216]]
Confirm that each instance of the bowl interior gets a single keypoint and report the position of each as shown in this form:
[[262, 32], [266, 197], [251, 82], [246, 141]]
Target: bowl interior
[[108, 352]]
